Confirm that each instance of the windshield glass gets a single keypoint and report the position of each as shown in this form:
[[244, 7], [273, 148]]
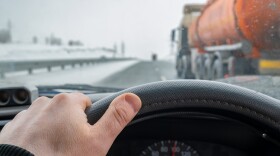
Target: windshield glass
[[131, 42]]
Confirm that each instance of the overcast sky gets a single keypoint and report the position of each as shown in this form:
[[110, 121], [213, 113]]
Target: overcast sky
[[144, 25]]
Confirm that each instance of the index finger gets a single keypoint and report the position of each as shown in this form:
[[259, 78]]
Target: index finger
[[81, 99]]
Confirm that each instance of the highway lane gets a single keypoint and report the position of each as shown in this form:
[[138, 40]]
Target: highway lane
[[115, 74], [141, 73], [88, 74]]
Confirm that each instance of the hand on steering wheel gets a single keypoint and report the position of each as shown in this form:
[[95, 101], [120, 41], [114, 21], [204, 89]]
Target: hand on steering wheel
[[59, 126]]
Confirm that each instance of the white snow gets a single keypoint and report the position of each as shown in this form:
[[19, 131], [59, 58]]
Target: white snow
[[79, 75], [16, 52]]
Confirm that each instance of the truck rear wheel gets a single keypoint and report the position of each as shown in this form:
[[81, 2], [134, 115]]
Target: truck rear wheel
[[208, 75], [179, 67], [184, 68], [241, 66], [218, 71], [200, 68]]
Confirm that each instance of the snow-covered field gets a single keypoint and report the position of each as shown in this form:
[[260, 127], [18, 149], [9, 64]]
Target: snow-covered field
[[85, 74], [80, 75], [42, 52]]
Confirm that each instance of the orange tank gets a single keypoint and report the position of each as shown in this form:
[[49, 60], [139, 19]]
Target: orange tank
[[230, 21]]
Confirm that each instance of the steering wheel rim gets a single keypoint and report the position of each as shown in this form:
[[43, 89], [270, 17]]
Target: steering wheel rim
[[207, 96]]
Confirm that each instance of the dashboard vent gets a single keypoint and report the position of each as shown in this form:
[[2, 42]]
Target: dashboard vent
[[17, 95]]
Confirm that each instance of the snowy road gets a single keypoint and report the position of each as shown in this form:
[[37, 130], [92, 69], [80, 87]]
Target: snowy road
[[114, 74], [79, 75], [141, 73]]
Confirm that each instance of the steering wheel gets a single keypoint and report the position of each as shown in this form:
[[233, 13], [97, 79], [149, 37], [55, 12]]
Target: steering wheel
[[243, 105]]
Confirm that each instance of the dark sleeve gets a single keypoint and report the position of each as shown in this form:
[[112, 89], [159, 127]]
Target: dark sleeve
[[11, 150]]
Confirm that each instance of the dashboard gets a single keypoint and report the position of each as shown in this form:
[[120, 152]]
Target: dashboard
[[191, 136], [186, 135], [176, 148]]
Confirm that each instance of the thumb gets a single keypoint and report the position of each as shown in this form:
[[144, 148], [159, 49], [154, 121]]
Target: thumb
[[120, 112]]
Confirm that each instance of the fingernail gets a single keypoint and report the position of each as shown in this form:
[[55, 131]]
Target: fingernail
[[133, 101]]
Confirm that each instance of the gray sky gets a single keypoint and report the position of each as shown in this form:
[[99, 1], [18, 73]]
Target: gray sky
[[144, 25]]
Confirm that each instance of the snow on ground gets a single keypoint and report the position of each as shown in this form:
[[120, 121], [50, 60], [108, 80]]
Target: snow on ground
[[16, 52], [79, 75]]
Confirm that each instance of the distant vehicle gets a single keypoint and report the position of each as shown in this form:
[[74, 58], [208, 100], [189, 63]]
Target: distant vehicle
[[103, 57], [154, 57], [5, 34], [214, 42]]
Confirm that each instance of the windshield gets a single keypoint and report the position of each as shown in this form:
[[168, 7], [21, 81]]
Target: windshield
[[131, 42]]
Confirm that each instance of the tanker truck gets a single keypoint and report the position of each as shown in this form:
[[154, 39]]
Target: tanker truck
[[228, 37]]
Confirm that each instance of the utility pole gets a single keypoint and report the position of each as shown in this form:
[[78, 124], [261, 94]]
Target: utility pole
[[9, 27], [123, 48], [115, 50]]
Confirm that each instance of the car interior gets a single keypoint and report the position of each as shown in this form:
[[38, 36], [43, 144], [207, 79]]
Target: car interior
[[187, 117], [206, 71]]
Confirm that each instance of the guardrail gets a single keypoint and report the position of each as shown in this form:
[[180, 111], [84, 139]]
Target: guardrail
[[30, 65]]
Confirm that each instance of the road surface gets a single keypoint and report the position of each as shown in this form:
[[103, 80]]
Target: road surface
[[141, 73], [113, 74]]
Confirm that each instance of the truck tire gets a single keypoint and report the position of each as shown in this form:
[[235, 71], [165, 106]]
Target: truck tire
[[241, 66], [184, 71], [232, 66], [237, 66], [218, 71], [179, 68], [208, 69], [200, 68]]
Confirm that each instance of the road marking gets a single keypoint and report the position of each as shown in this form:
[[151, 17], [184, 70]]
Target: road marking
[[163, 78]]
